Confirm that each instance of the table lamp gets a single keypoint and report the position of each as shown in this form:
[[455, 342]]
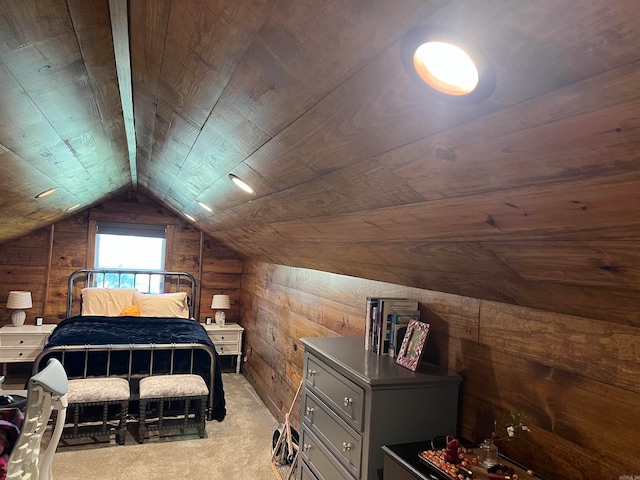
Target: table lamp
[[220, 303], [18, 301]]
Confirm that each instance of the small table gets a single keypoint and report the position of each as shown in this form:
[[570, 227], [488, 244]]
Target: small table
[[401, 463], [22, 344], [227, 339]]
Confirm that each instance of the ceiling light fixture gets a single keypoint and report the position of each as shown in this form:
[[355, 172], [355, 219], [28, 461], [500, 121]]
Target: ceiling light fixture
[[206, 207], [189, 217], [241, 183], [45, 193], [72, 208], [447, 65]]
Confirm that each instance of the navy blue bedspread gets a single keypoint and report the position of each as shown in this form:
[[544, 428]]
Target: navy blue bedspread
[[90, 330]]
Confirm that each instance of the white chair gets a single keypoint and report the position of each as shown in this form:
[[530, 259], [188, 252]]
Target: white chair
[[46, 391]]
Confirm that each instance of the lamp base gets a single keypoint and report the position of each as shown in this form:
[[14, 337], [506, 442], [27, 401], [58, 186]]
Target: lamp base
[[220, 318], [18, 317]]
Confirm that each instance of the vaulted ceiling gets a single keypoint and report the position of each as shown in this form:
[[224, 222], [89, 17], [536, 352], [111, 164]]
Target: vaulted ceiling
[[529, 197]]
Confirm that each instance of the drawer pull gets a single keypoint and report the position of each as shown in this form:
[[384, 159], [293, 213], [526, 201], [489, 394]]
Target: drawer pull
[[222, 337], [311, 373], [20, 354], [306, 447], [346, 446], [21, 341], [348, 401], [309, 410]]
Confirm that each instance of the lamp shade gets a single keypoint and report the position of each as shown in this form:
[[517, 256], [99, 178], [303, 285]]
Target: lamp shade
[[220, 302], [18, 300]]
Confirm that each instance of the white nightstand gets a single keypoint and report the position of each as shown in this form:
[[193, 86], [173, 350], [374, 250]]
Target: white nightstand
[[22, 344], [227, 339]]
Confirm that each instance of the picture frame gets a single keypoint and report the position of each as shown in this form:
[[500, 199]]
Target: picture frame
[[207, 320], [413, 344], [39, 321]]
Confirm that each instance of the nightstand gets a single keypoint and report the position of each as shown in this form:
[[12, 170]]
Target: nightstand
[[22, 344], [227, 339]]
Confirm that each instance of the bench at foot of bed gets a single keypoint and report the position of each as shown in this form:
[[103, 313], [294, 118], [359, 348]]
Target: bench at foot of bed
[[190, 392], [101, 394]]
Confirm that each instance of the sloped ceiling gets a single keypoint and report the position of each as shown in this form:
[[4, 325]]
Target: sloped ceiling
[[530, 197]]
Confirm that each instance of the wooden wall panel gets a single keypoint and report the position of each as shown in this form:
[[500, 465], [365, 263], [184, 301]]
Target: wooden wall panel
[[220, 275], [23, 265], [567, 374], [24, 262]]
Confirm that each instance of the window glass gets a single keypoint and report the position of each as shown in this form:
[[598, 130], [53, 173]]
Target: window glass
[[130, 247]]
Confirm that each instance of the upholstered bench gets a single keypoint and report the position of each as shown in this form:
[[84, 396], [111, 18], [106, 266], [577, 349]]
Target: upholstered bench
[[98, 392], [162, 389]]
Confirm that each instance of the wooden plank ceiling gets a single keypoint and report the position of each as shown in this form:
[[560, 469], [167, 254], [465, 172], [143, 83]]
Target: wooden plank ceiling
[[530, 197]]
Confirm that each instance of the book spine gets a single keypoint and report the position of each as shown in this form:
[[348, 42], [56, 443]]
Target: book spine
[[392, 305], [368, 321], [378, 327], [392, 335], [398, 321]]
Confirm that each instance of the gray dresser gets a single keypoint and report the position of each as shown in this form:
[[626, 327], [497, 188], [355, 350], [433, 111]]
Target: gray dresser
[[354, 402]]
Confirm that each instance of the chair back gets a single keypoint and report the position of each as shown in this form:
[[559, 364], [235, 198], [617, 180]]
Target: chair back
[[46, 391]]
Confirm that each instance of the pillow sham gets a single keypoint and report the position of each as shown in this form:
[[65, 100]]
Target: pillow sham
[[162, 304], [108, 302]]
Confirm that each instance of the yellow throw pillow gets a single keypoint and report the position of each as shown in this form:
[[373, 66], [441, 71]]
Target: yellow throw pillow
[[130, 311]]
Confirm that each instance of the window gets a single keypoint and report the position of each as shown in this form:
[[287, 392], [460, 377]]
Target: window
[[130, 246]]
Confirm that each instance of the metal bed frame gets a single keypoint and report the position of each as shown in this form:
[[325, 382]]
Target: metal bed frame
[[60, 352], [177, 280], [92, 279]]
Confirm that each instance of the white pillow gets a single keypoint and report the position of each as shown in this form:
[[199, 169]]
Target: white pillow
[[162, 304], [107, 302]]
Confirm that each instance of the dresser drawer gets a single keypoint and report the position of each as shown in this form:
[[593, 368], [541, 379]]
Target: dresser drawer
[[23, 341], [342, 440], [19, 354], [320, 460], [227, 348], [344, 396], [305, 473], [230, 337]]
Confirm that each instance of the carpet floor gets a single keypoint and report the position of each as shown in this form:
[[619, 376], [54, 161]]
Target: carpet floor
[[239, 447]]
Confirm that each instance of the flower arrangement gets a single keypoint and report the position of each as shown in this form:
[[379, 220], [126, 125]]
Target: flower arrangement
[[512, 428]]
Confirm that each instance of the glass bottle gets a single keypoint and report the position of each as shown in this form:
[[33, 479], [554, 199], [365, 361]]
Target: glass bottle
[[488, 456]]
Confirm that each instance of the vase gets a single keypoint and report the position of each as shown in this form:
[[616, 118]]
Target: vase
[[488, 456]]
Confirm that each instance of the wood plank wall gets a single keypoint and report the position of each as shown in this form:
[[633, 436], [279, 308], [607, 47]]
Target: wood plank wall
[[68, 246], [576, 379]]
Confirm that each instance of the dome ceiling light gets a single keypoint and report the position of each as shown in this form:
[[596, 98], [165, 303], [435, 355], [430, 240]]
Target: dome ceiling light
[[447, 65]]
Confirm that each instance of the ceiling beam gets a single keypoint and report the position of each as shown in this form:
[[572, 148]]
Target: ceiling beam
[[120, 32]]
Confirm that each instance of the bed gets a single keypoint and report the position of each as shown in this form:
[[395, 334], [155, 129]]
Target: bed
[[134, 324]]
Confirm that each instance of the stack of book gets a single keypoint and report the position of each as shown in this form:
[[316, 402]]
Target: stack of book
[[386, 323]]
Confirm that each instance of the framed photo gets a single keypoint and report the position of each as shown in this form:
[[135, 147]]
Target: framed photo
[[39, 321], [413, 345]]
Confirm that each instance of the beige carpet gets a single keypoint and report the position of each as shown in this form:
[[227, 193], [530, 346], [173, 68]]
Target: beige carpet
[[237, 448]]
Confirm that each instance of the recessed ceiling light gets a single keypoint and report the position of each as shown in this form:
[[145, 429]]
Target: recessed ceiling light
[[71, 209], [206, 207], [241, 183], [46, 192], [447, 65], [189, 217]]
